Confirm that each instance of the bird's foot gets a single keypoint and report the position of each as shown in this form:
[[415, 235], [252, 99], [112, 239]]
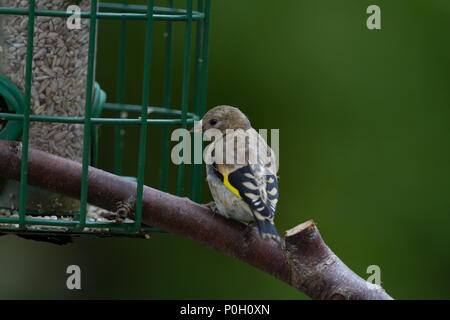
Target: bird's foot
[[213, 207], [248, 229], [250, 225]]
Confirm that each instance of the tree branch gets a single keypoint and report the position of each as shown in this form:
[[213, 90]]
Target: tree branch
[[306, 262]]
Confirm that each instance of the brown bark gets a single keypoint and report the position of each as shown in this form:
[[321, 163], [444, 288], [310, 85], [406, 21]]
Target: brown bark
[[305, 262]]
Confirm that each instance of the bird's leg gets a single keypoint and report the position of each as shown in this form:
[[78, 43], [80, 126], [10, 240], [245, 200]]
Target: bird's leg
[[213, 207], [248, 229], [249, 226]]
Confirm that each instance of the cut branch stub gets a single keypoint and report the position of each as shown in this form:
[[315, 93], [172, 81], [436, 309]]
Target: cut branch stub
[[318, 272]]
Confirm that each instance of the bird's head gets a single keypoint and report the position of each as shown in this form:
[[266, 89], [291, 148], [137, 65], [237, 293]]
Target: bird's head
[[222, 118]]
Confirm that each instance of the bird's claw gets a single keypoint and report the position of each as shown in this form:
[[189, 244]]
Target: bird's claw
[[248, 229], [213, 207], [249, 226]]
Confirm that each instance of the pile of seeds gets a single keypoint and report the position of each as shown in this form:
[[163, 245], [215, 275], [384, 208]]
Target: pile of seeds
[[59, 74], [94, 214]]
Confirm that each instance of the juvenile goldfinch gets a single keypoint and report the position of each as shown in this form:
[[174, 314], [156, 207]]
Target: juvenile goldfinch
[[244, 184]]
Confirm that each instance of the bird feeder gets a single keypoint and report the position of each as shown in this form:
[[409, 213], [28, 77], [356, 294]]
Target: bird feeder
[[49, 100], [57, 88]]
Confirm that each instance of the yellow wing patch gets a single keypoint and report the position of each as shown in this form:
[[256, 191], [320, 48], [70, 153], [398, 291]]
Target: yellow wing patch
[[230, 187]]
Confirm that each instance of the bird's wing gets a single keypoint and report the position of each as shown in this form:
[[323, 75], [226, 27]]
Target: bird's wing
[[252, 184], [259, 150], [260, 192], [253, 179]]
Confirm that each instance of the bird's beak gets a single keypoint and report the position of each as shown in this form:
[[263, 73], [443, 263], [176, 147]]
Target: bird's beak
[[197, 128]]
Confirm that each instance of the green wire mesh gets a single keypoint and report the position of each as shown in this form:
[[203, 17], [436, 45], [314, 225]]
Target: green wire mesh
[[19, 117]]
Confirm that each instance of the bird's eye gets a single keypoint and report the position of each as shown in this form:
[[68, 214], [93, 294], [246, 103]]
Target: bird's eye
[[212, 122]]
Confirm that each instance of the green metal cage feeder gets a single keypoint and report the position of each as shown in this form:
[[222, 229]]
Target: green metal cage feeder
[[16, 114]]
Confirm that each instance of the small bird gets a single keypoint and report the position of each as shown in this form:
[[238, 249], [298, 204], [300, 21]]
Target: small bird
[[244, 185]]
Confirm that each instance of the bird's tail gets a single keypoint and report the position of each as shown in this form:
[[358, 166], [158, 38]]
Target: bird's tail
[[268, 231]]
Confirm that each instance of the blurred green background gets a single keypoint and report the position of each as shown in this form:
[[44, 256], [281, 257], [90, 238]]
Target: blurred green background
[[364, 130]]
